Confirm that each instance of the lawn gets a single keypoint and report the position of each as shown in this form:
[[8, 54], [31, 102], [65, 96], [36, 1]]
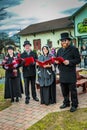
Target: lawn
[[63, 121], [3, 102], [2, 72]]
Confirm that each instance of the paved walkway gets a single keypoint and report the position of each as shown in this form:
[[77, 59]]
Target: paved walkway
[[20, 116]]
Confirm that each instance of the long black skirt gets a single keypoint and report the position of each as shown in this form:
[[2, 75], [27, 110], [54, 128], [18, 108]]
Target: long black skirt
[[12, 87], [48, 94]]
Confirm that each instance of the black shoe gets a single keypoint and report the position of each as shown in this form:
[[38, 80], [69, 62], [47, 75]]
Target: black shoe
[[27, 101], [47, 104], [36, 99], [72, 109], [52, 102], [21, 96], [64, 106], [42, 102], [17, 99], [12, 100]]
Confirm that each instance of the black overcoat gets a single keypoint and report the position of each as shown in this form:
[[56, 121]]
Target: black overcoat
[[68, 72], [13, 84], [31, 69]]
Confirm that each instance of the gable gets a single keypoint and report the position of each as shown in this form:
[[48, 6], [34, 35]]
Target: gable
[[80, 21]]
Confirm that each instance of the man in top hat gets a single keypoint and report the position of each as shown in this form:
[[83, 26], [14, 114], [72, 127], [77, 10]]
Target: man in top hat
[[67, 71], [29, 72]]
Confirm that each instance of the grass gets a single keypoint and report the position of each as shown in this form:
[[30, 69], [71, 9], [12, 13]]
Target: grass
[[3, 102], [2, 72], [63, 121], [83, 72]]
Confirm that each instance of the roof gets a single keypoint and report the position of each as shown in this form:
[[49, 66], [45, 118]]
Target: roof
[[79, 10], [52, 25]]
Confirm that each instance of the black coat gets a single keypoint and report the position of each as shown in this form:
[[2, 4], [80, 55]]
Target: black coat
[[31, 69], [9, 72], [12, 83], [68, 72]]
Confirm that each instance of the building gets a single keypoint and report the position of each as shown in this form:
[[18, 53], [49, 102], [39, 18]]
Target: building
[[80, 25], [49, 32], [46, 33]]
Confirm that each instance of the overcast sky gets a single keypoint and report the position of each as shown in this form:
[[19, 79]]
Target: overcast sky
[[15, 15]]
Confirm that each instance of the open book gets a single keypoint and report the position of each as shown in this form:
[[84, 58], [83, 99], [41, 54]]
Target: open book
[[50, 61]]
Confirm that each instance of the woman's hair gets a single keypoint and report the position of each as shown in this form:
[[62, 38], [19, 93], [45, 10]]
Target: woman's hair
[[45, 46]]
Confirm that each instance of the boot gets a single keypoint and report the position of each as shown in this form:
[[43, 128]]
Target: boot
[[17, 99]]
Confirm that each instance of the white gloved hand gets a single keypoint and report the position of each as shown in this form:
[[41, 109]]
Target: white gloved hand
[[15, 65], [6, 67]]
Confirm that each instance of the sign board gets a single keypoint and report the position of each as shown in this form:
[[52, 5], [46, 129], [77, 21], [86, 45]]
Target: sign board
[[82, 26]]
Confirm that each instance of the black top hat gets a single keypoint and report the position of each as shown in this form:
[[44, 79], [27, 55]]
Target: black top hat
[[10, 48], [65, 36], [26, 43]]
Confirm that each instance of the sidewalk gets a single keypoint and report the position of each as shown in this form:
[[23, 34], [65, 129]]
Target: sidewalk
[[21, 116]]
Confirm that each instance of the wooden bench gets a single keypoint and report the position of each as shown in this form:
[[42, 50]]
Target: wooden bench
[[78, 76], [83, 76], [82, 83]]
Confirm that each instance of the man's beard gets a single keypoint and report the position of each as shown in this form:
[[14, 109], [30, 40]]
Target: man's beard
[[65, 45]]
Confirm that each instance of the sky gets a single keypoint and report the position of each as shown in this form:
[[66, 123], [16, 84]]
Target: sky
[[16, 15]]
